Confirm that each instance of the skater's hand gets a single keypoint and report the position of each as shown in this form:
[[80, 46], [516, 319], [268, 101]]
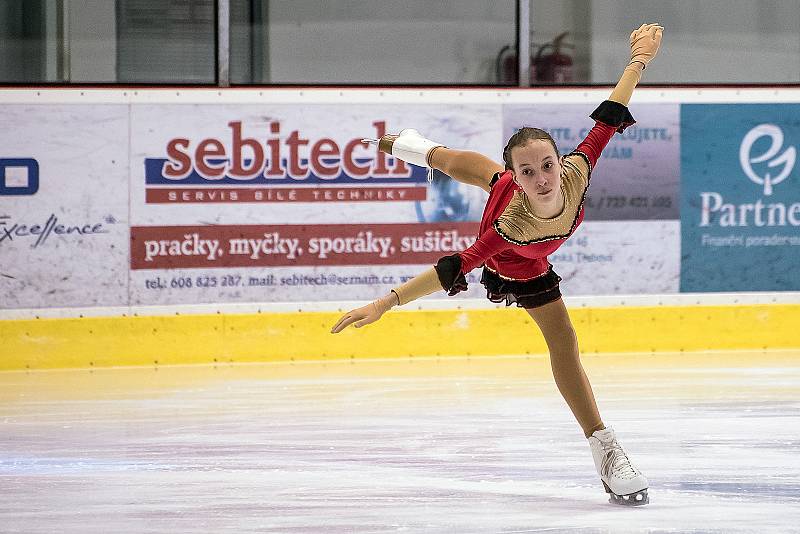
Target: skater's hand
[[365, 314], [645, 42]]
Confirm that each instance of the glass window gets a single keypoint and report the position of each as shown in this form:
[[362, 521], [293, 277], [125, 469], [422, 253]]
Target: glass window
[[386, 42], [166, 41], [107, 41], [708, 42], [378, 42], [28, 29], [713, 41]]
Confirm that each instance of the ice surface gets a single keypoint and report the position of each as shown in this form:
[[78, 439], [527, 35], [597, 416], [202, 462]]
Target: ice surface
[[461, 445]]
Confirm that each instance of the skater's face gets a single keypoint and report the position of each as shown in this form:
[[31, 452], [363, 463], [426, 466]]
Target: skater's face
[[537, 170]]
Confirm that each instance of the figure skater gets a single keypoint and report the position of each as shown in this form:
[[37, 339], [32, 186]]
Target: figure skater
[[535, 203]]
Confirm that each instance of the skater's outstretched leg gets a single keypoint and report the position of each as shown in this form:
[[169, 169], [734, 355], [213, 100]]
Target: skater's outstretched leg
[[620, 478], [463, 166]]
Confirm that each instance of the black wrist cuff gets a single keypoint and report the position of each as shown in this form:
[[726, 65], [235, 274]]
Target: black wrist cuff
[[613, 114], [452, 279]]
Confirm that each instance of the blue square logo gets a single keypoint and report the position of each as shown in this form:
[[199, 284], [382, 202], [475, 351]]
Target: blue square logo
[[19, 176]]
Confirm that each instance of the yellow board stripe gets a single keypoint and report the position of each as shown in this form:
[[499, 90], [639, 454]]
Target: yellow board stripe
[[269, 337]]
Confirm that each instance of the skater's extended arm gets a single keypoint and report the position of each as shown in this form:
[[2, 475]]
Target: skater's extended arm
[[448, 274], [423, 284], [365, 314]]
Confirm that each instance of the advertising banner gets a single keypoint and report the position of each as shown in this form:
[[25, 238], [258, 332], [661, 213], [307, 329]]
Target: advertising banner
[[164, 202], [251, 203], [63, 206], [740, 205]]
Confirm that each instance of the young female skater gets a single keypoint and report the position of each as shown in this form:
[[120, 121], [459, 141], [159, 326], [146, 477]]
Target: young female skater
[[535, 203]]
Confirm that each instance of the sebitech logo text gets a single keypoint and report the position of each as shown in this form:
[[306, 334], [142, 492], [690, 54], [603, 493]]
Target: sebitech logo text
[[279, 168]]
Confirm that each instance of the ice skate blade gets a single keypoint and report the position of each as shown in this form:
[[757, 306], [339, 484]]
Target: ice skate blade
[[370, 141], [640, 498]]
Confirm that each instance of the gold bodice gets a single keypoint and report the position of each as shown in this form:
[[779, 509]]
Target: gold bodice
[[518, 224]]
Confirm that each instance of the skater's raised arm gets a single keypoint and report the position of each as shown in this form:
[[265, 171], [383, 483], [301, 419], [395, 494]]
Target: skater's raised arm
[[644, 47], [613, 115]]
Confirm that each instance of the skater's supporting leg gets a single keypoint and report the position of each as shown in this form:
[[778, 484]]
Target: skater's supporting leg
[[465, 166], [565, 361]]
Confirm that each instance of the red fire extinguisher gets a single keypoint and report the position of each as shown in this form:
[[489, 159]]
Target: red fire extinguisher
[[555, 67]]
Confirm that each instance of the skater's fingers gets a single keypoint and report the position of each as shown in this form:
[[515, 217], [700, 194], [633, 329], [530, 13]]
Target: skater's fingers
[[644, 29], [638, 30], [343, 323], [335, 328], [650, 29], [365, 321], [347, 321], [653, 31]]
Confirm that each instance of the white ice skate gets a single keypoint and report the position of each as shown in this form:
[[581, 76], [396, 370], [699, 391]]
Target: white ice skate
[[409, 145], [626, 484]]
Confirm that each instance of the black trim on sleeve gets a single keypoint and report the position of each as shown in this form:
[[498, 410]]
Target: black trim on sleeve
[[495, 178], [585, 158], [613, 114], [448, 268]]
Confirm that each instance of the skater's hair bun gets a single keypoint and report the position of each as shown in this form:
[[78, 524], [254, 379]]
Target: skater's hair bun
[[521, 138]]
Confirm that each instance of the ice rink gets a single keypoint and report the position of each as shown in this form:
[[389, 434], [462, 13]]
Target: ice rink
[[451, 445]]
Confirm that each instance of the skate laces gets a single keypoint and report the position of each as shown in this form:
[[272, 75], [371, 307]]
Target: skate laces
[[617, 461]]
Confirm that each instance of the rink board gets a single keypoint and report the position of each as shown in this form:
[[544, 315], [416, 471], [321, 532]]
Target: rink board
[[164, 196], [275, 336], [56, 283]]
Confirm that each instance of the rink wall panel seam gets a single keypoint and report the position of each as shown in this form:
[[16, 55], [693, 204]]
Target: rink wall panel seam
[[285, 337]]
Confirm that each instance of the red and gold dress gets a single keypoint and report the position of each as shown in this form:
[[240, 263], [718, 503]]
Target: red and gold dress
[[513, 243]]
